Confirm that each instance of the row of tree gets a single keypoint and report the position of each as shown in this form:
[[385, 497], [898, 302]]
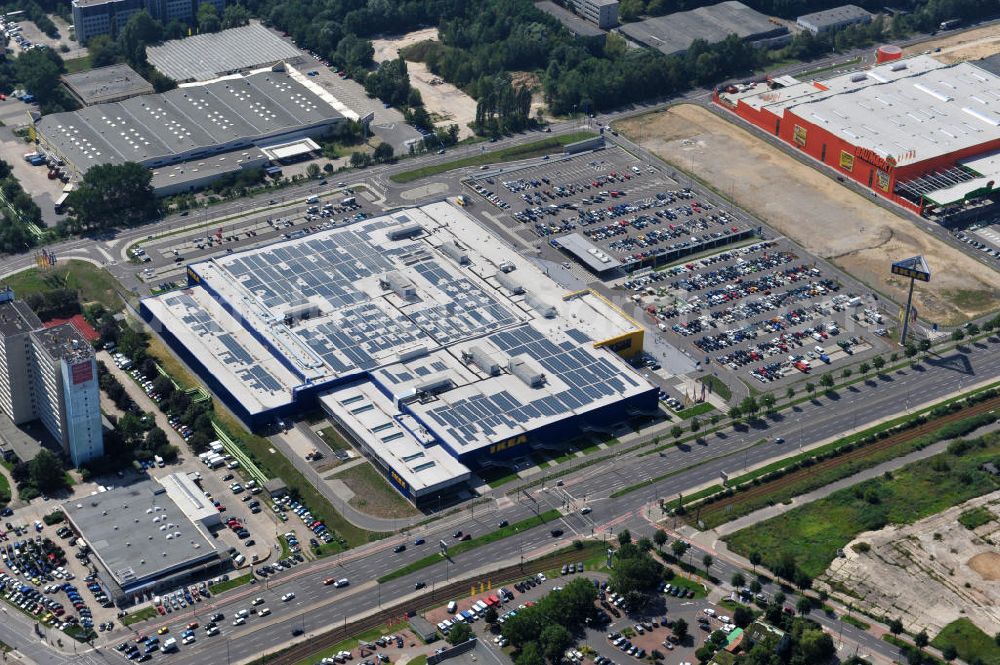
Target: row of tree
[[111, 195], [19, 213]]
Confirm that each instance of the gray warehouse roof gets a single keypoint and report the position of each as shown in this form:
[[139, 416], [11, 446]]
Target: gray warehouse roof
[[207, 56], [578, 26], [674, 33], [104, 84], [138, 532], [187, 122], [834, 17]]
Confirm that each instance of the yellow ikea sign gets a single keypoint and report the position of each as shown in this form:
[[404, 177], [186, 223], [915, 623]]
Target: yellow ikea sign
[[509, 443]]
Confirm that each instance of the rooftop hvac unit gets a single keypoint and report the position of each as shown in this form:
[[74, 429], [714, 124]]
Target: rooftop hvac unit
[[508, 282], [399, 284], [454, 252], [543, 308], [481, 359], [522, 369]]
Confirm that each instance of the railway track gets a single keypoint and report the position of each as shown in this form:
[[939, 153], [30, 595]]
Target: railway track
[[905, 436], [398, 612]]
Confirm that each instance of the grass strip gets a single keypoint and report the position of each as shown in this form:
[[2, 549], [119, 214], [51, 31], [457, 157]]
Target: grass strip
[[854, 621], [696, 410], [231, 583], [466, 545], [811, 479], [803, 541], [352, 642], [523, 151], [144, 614]]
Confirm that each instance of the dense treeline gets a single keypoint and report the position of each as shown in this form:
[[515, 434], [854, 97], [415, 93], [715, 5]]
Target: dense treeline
[[111, 195], [18, 214], [940, 10]]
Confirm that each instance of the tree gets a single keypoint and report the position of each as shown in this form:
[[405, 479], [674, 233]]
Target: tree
[[810, 387], [639, 574], [878, 362], [676, 431], [530, 655], [847, 373], [360, 159], [734, 413], [957, 335], [921, 639], [39, 70], [749, 405], [139, 32], [755, 586], [624, 537], [383, 153], [660, 538], [738, 580], [103, 51], [708, 561], [208, 18], [924, 345], [755, 559], [864, 368], [313, 170], [949, 652], [112, 195], [459, 633], [815, 646], [555, 639], [234, 16], [490, 615], [46, 472], [695, 424], [767, 402], [679, 548], [742, 617], [803, 605], [680, 629], [789, 392], [826, 380], [156, 438], [896, 626]]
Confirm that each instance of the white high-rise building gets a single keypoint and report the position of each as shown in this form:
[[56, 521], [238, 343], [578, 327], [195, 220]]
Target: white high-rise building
[[50, 374]]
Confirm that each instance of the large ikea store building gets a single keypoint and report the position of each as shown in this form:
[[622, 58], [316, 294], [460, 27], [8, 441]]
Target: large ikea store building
[[435, 347]]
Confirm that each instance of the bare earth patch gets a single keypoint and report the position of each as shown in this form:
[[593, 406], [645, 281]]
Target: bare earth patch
[[929, 573], [961, 46], [826, 218], [987, 565], [447, 104]]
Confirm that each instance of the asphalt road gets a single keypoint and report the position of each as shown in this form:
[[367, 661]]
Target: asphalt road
[[317, 606]]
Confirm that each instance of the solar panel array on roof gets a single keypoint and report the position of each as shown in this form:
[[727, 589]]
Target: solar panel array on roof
[[589, 378], [234, 354]]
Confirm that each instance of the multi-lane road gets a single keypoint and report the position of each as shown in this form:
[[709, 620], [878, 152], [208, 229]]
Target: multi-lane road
[[317, 607]]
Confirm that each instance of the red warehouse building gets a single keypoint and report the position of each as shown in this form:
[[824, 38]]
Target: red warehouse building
[[920, 133]]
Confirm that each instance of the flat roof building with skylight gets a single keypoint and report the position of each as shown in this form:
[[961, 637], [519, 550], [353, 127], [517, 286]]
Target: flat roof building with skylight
[[435, 346]]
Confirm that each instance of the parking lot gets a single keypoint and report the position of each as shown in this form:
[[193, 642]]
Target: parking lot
[[984, 237], [621, 639], [762, 309], [626, 208]]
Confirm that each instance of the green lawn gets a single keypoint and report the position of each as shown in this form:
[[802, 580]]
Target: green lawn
[[971, 643], [856, 622], [332, 438], [523, 151], [975, 517], [685, 583], [77, 65], [465, 546], [144, 614], [4, 490], [497, 476], [93, 283], [809, 536], [696, 410], [717, 386], [233, 583], [373, 494]]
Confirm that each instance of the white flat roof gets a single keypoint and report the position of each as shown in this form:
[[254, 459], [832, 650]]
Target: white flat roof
[[911, 110], [398, 440], [189, 498], [988, 168]]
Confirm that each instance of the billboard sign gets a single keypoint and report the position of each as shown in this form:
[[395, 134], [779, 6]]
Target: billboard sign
[[914, 267], [883, 180], [82, 373], [846, 161], [799, 135]]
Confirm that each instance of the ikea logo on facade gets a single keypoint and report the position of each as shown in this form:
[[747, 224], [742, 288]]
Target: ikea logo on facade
[[509, 443], [400, 481]]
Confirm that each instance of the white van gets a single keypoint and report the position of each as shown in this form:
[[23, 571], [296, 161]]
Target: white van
[[452, 607], [239, 559]]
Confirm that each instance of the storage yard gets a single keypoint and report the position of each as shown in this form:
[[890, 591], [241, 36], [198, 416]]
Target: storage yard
[[816, 212]]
